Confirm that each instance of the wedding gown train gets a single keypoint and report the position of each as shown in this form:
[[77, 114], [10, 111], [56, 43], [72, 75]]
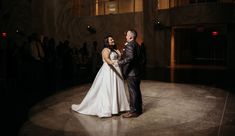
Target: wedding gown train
[[107, 94]]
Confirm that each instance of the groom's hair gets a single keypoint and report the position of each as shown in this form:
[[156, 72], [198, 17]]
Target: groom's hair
[[134, 33]]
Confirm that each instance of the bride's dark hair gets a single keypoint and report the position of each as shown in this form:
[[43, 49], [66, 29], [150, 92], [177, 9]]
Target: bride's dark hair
[[106, 43]]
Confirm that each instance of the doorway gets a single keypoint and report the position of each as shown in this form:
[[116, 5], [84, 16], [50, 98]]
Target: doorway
[[200, 45]]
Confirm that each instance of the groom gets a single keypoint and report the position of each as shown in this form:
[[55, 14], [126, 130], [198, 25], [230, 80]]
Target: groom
[[131, 73]]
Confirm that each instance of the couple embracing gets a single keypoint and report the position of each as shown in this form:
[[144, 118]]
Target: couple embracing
[[107, 95]]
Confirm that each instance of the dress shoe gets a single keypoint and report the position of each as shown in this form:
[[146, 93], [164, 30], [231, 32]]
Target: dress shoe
[[131, 115], [126, 114]]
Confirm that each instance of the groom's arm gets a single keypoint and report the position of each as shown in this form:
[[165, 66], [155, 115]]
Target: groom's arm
[[129, 56]]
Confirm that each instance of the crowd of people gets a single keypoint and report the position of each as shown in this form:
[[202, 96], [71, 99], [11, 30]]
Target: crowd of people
[[38, 61]]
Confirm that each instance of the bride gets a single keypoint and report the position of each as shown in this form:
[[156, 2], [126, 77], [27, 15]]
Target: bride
[[107, 94]]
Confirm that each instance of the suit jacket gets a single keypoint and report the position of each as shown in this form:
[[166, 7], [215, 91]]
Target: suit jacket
[[129, 61]]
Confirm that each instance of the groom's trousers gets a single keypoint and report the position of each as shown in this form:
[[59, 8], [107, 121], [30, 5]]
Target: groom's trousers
[[133, 84]]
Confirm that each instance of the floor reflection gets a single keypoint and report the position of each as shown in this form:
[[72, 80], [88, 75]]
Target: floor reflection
[[169, 109]]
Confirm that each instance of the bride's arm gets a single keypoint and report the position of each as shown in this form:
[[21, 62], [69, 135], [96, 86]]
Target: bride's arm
[[105, 55]]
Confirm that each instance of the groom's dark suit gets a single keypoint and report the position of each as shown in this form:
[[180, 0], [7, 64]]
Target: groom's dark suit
[[131, 72]]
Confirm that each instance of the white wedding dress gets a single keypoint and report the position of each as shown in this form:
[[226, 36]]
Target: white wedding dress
[[107, 94]]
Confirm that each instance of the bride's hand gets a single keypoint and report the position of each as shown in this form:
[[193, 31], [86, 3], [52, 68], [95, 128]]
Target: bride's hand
[[115, 63]]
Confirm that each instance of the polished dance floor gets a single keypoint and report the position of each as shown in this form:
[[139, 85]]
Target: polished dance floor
[[170, 109]]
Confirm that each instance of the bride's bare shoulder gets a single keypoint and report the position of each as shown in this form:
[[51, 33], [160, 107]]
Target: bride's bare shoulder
[[105, 50]]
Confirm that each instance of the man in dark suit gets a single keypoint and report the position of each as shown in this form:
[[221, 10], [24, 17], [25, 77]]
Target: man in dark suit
[[131, 70]]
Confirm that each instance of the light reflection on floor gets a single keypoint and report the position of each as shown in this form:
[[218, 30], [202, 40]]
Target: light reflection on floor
[[169, 109]]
